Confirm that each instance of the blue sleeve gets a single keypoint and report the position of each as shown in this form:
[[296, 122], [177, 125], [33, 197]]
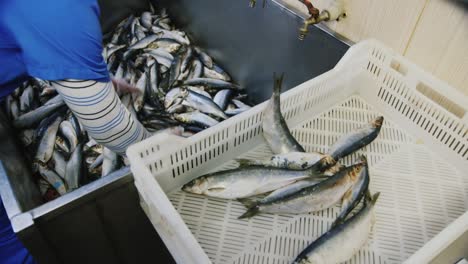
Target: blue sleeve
[[59, 39], [11, 249]]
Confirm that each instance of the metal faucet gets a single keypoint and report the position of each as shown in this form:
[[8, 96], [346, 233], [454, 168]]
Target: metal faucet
[[304, 30], [335, 11]]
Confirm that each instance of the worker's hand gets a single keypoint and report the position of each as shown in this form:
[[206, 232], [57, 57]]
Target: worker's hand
[[122, 87]]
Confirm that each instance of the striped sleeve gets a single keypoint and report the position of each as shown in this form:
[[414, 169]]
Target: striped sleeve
[[97, 106]]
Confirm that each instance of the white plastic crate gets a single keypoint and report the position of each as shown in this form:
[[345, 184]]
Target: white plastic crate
[[419, 163]]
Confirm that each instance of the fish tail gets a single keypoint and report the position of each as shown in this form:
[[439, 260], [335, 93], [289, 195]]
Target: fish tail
[[250, 212], [278, 83], [248, 202], [244, 162]]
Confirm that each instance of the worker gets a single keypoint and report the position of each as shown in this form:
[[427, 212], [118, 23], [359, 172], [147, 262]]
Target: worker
[[61, 41]]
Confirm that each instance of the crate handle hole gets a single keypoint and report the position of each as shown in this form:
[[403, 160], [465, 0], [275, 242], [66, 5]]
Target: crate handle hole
[[440, 99], [397, 66]]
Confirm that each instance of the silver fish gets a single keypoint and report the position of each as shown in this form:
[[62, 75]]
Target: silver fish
[[32, 118], [146, 20], [69, 132], [187, 59], [112, 49], [72, 177], [196, 70], [205, 58], [141, 44], [46, 145], [275, 129], [212, 83], [355, 194], [244, 182], [163, 33], [60, 165], [15, 110], [212, 74], [335, 246], [196, 118], [202, 103], [62, 145], [110, 162], [162, 56], [97, 162], [310, 199], [357, 139], [139, 98], [26, 99], [222, 98], [53, 179], [292, 160], [198, 90], [171, 96]]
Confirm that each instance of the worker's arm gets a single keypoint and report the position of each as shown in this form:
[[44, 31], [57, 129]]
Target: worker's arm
[[97, 106], [65, 43]]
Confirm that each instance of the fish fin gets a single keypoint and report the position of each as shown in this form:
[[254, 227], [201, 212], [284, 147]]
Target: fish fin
[[375, 197], [250, 213], [248, 202], [278, 83], [244, 162]]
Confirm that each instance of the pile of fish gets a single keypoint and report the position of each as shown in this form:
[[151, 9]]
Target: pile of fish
[[176, 79], [181, 91], [295, 182]]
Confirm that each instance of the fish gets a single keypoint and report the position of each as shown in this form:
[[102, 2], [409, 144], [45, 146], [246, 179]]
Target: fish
[[146, 20], [355, 194], [139, 98], [187, 59], [53, 179], [47, 142], [110, 162], [197, 69], [15, 110], [174, 71], [26, 99], [310, 199], [60, 165], [162, 56], [275, 129], [212, 74], [199, 91], [202, 103], [69, 132], [114, 48], [205, 58], [222, 98], [335, 246], [141, 44], [212, 83], [30, 119], [74, 164], [171, 96], [196, 118], [163, 33], [357, 139], [97, 162], [293, 161], [245, 182], [62, 145]]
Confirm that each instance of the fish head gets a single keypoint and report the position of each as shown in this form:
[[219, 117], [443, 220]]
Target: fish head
[[378, 121], [197, 186], [355, 171]]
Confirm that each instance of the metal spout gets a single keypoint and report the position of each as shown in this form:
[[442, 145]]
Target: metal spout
[[304, 30]]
